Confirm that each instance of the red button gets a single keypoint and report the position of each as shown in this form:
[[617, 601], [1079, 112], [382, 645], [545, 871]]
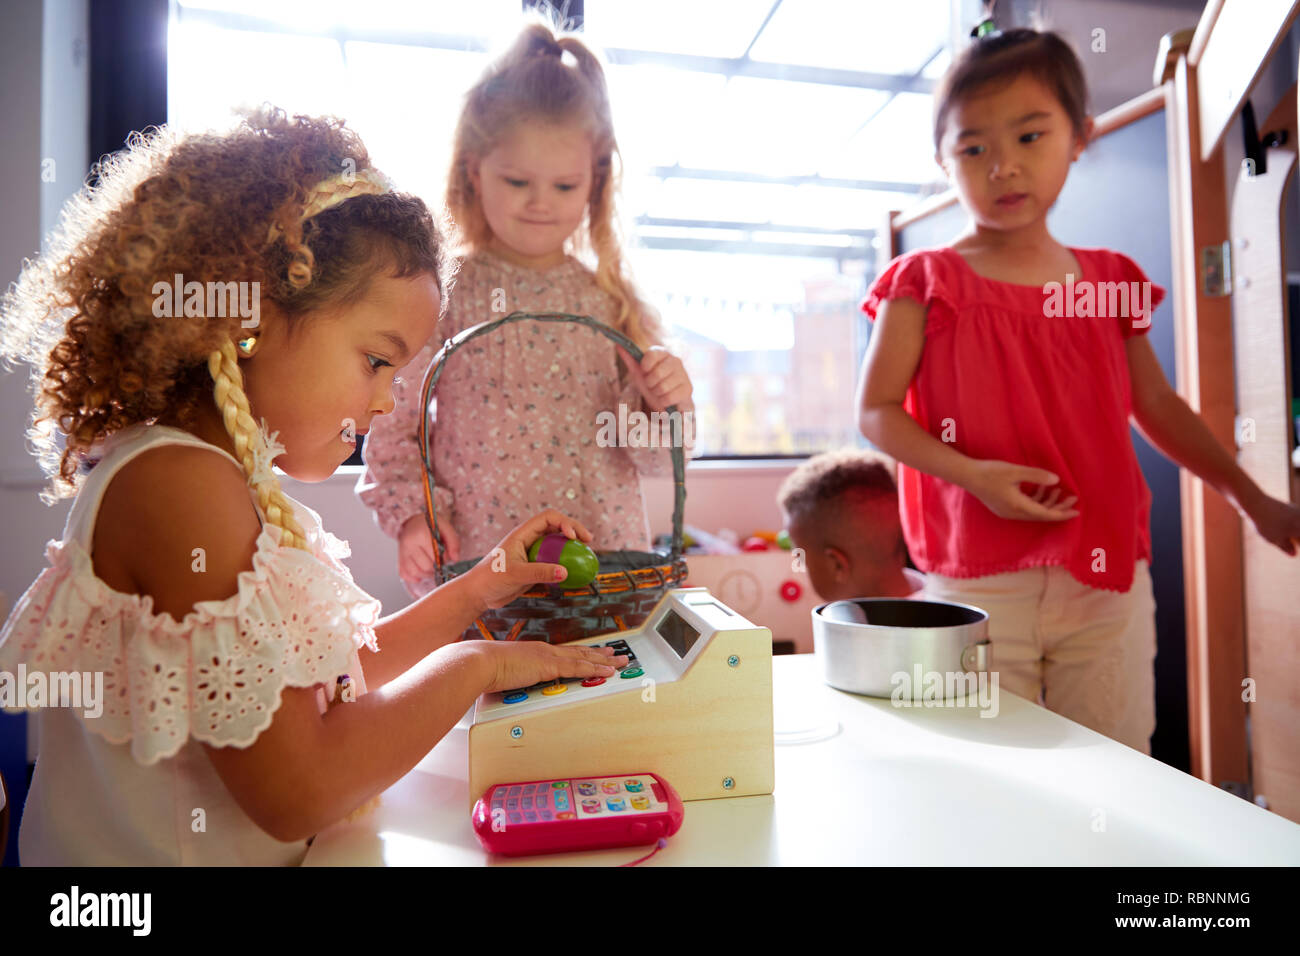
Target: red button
[[790, 590], [593, 682]]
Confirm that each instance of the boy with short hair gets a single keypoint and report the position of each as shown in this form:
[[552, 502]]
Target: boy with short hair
[[841, 509]]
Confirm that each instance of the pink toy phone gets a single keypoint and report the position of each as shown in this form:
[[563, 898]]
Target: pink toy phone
[[585, 813]]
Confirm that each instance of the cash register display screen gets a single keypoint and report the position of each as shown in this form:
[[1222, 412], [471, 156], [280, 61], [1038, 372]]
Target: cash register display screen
[[679, 635]]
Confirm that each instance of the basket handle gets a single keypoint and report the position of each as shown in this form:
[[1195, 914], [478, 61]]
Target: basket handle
[[483, 328]]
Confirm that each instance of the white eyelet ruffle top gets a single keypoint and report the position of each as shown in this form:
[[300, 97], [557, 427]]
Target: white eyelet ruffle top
[[133, 786]]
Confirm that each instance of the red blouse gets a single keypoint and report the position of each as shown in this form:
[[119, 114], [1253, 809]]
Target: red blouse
[[1037, 376]]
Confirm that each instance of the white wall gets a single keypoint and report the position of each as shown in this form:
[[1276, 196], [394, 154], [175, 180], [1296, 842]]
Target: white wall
[[44, 101], [44, 105]]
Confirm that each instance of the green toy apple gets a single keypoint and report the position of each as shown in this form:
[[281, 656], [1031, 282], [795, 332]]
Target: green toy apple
[[578, 559]]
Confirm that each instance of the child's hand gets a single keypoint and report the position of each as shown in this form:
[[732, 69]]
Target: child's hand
[[997, 484], [524, 663], [661, 378], [415, 547], [505, 572], [1277, 523]]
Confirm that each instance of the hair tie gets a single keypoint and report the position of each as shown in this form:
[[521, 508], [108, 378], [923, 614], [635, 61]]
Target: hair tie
[[336, 190], [986, 27]]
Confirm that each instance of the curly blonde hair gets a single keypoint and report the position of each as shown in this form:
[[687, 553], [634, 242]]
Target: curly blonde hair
[[213, 207], [531, 80]]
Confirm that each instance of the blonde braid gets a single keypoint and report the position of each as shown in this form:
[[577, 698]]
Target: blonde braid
[[330, 192], [249, 444]]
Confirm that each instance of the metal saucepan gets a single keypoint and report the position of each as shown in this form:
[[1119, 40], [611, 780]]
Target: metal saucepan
[[863, 643]]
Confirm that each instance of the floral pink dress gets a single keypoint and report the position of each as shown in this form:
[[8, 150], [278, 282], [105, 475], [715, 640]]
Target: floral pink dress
[[516, 417]]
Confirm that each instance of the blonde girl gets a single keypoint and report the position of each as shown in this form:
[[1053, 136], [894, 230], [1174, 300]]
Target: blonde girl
[[532, 185], [246, 677]]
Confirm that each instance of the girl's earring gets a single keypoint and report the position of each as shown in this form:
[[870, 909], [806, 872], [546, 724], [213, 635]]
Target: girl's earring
[[247, 345]]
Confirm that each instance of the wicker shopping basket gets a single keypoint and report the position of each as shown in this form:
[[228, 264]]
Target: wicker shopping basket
[[630, 583]]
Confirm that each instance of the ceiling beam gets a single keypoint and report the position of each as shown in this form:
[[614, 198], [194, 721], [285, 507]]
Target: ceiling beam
[[664, 222], [751, 247], [736, 176], [726, 66]]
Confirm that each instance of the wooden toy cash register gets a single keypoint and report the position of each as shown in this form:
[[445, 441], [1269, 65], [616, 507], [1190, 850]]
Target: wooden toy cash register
[[693, 704]]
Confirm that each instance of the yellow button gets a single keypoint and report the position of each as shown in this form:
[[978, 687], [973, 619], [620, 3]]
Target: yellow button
[[555, 689]]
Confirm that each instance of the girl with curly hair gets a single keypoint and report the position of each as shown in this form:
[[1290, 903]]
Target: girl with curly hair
[[252, 694], [532, 181]]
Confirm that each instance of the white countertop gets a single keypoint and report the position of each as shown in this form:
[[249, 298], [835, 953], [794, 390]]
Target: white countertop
[[891, 786]]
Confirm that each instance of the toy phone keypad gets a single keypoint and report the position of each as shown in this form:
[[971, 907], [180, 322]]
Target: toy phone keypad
[[584, 813]]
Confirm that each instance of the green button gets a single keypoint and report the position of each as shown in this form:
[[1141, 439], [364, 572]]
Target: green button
[[631, 672]]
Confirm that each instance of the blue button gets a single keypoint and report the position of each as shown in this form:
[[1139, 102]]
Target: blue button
[[543, 801], [516, 817], [514, 697], [547, 815], [512, 803], [530, 816], [528, 802]]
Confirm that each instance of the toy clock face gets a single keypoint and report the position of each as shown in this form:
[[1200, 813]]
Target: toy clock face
[[740, 590]]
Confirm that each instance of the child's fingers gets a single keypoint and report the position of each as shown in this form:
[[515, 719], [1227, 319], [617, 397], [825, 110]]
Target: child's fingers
[[1035, 476], [538, 572], [630, 363], [1039, 513], [552, 520], [420, 558], [653, 358], [1035, 510], [669, 377], [657, 369], [593, 658], [451, 542], [412, 569]]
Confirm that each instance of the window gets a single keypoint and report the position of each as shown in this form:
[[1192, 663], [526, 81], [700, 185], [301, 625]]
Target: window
[[763, 144]]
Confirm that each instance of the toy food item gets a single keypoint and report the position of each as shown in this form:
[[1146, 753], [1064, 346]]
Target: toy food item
[[768, 536], [754, 543], [578, 559], [783, 540]]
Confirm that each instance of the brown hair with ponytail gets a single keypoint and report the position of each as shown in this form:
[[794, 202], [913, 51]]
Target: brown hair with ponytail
[[532, 81], [999, 59]]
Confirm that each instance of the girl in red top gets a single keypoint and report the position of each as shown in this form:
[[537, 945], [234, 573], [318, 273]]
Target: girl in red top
[[1002, 374]]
